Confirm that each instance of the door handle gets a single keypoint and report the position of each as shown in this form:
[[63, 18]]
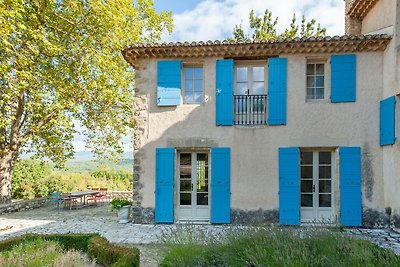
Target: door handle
[[313, 188], [192, 186]]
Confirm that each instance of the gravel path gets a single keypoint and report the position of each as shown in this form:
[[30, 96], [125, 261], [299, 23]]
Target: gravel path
[[148, 238]]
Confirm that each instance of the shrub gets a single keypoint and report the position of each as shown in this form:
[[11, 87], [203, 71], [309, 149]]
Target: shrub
[[112, 255], [117, 204]]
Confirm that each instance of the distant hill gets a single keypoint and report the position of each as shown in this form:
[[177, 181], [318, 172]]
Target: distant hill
[[87, 155], [85, 166]]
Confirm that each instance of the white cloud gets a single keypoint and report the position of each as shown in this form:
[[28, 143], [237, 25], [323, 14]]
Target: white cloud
[[215, 19]]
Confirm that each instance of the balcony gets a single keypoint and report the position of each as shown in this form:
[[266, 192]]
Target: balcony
[[250, 109]]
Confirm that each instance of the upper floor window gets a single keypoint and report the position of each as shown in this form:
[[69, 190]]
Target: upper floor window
[[250, 80], [193, 85], [315, 80]]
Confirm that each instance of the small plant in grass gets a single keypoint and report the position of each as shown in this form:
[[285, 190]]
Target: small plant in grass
[[117, 204]]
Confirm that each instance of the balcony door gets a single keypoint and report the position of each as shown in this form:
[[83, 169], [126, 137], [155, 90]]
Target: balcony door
[[250, 94], [193, 186]]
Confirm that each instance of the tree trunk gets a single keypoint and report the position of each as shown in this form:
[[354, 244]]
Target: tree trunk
[[6, 164]]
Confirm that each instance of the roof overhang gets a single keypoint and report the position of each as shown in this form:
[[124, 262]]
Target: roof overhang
[[360, 8], [257, 48]]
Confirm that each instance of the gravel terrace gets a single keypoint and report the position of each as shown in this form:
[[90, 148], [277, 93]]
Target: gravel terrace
[[146, 237]]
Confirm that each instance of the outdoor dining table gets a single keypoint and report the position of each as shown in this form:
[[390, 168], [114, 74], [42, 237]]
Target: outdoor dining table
[[83, 195]]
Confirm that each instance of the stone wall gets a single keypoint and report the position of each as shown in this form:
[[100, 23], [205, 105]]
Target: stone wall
[[23, 205]]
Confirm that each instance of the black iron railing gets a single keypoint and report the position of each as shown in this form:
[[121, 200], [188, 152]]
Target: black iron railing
[[250, 109]]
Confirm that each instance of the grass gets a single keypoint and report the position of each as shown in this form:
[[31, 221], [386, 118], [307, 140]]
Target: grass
[[41, 252], [274, 247]]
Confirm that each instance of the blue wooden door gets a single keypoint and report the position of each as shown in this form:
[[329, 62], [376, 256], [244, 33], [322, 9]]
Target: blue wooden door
[[289, 186], [277, 91], [224, 92], [220, 185], [350, 186], [164, 211]]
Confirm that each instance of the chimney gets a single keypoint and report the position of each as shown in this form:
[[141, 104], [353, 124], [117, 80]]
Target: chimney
[[352, 25]]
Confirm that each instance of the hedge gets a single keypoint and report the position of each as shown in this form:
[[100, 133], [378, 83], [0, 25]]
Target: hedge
[[94, 245], [112, 255]]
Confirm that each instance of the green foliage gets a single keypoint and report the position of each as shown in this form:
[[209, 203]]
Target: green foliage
[[265, 28], [34, 178], [112, 255], [117, 204], [95, 246], [278, 247], [61, 64], [40, 252]]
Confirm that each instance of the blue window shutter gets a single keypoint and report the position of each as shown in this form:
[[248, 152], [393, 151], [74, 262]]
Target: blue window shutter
[[343, 78], [350, 186], [168, 83], [164, 212], [221, 185], [277, 68], [289, 186], [224, 92], [387, 121]]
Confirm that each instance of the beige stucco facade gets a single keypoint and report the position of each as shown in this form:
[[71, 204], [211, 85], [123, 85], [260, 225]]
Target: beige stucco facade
[[310, 125]]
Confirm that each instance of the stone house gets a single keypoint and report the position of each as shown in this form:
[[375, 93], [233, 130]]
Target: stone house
[[290, 131]]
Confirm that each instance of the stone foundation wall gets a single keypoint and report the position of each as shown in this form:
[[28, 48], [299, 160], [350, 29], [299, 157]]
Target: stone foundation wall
[[23, 205], [120, 194]]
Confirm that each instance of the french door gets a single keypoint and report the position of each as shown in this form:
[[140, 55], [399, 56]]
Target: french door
[[193, 186], [316, 186]]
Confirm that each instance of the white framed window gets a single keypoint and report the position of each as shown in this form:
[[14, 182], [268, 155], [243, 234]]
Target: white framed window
[[316, 80], [193, 85], [250, 79]]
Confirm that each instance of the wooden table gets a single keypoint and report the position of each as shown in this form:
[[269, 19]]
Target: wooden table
[[83, 194]]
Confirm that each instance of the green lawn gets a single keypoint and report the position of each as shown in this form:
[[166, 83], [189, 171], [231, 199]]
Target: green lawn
[[275, 247]]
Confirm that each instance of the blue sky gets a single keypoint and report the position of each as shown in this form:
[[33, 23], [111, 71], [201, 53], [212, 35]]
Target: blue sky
[[196, 20]]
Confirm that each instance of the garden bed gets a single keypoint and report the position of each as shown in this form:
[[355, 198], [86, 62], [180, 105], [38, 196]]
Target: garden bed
[[276, 247], [64, 246]]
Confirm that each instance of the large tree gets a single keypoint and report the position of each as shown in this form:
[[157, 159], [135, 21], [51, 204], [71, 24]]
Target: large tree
[[264, 27], [60, 65]]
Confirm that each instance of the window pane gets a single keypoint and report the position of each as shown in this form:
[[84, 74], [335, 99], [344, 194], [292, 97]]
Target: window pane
[[310, 93], [310, 81], [186, 172], [324, 157], [306, 171], [320, 93], [324, 172], [186, 159], [241, 88], [258, 88], [189, 86], [189, 72], [202, 198], [198, 73], [325, 200], [320, 68], [320, 81], [306, 200], [325, 186], [198, 85], [306, 186], [202, 185], [185, 198], [241, 74], [186, 185], [310, 69], [190, 97], [306, 157], [258, 73]]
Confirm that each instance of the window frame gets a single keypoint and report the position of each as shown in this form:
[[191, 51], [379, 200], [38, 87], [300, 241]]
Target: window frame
[[184, 66], [318, 60], [250, 64]]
